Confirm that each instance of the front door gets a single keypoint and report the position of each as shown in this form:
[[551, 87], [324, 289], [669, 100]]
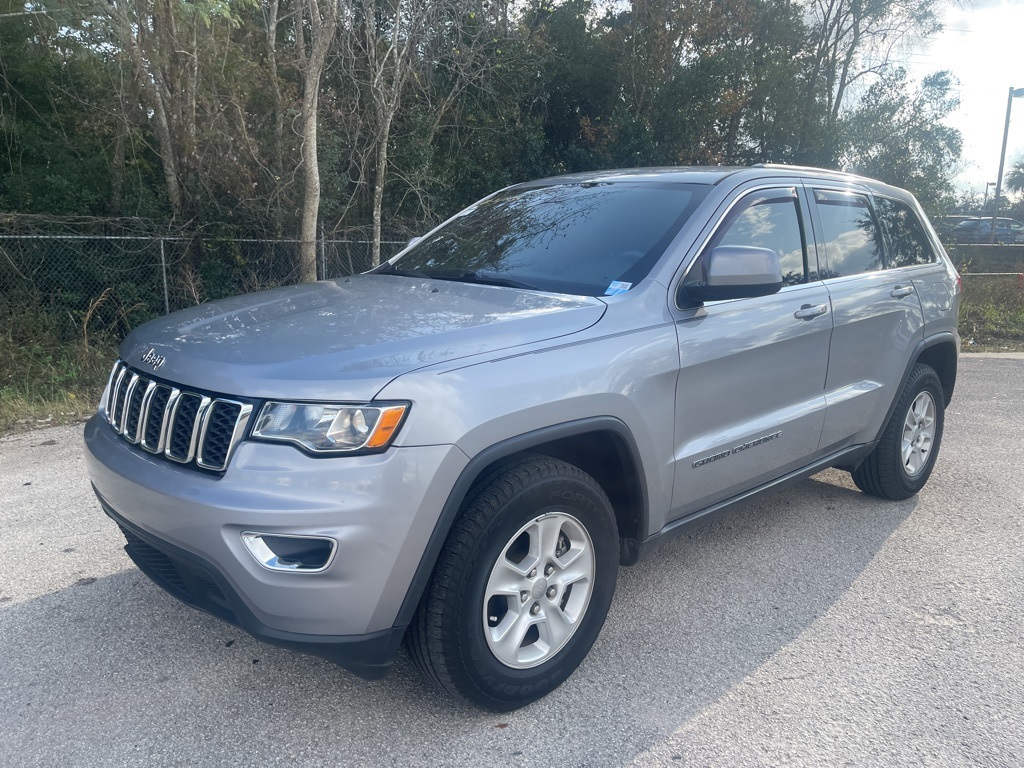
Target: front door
[[750, 402]]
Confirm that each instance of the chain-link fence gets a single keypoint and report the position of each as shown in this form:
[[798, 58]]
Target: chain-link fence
[[112, 283], [83, 284]]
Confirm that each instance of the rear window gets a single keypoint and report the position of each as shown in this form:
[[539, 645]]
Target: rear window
[[908, 243], [589, 239], [853, 243]]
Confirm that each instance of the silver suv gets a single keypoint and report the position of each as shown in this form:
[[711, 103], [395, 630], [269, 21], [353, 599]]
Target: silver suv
[[461, 447]]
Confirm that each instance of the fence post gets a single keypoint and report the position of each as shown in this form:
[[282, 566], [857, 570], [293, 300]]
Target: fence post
[[323, 256], [163, 270]]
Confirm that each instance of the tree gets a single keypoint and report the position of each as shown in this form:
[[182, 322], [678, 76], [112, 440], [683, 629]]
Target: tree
[[850, 39], [314, 37], [55, 112], [897, 135], [1014, 179]]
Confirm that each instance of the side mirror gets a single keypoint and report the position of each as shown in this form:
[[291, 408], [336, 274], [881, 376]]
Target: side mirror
[[734, 272], [412, 242]]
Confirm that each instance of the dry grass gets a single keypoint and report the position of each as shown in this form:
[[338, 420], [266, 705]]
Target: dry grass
[[992, 313], [48, 375]]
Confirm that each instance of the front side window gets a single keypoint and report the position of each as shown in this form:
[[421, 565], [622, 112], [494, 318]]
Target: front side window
[[908, 243], [590, 238], [853, 243], [769, 219]]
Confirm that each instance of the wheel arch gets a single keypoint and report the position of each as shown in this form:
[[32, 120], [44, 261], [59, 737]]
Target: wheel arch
[[940, 353], [603, 447]]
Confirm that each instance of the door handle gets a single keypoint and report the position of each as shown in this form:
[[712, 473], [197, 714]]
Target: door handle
[[810, 311], [901, 291]]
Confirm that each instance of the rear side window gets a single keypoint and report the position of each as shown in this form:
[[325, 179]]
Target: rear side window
[[908, 243], [769, 219], [852, 240]]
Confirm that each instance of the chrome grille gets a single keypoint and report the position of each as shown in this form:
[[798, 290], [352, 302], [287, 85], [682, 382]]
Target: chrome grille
[[189, 428]]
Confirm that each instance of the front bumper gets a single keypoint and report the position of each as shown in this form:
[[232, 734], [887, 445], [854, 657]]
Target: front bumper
[[184, 530]]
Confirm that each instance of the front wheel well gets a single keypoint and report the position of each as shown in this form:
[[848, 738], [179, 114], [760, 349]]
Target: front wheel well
[[605, 456]]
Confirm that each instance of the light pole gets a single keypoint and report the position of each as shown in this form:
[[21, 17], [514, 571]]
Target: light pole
[[1002, 158], [984, 203]]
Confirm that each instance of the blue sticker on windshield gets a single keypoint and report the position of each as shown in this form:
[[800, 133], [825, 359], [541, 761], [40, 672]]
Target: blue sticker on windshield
[[616, 287]]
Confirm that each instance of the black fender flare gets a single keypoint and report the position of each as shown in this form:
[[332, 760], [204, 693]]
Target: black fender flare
[[923, 345], [487, 457]]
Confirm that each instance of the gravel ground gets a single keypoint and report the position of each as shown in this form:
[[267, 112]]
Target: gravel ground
[[818, 627]]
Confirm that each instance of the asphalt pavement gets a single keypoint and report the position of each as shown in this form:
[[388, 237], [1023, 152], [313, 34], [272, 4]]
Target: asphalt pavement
[[819, 627]]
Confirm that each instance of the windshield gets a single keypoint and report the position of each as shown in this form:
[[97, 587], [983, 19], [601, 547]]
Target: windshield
[[590, 239]]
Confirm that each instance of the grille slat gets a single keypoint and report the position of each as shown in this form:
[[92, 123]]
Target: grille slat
[[133, 410], [181, 439], [218, 433], [117, 398], [153, 429], [189, 428]]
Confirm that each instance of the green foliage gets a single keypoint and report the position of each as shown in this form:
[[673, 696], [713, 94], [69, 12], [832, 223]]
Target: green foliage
[[51, 121], [47, 374], [992, 313], [554, 87], [1015, 178], [898, 136]]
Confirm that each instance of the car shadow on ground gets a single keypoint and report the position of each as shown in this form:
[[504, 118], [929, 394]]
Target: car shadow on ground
[[118, 663]]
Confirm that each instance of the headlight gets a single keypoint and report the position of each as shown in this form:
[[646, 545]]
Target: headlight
[[330, 428]]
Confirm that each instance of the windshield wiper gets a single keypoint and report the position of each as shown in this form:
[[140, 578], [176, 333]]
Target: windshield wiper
[[391, 269], [486, 279]]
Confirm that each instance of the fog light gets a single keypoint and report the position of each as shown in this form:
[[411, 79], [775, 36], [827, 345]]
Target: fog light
[[293, 553]]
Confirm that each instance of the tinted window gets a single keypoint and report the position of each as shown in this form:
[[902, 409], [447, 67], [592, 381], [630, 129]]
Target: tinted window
[[908, 243], [851, 237], [591, 239], [769, 220]]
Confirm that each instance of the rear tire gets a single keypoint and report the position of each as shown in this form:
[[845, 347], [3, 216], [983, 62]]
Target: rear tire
[[522, 586], [903, 460]]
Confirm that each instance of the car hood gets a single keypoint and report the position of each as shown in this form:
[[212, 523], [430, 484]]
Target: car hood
[[345, 339]]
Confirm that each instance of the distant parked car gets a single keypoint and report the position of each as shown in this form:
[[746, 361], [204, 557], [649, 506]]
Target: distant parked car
[[944, 227], [979, 230]]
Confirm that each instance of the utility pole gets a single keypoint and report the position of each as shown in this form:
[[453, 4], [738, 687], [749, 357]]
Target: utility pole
[[1002, 159]]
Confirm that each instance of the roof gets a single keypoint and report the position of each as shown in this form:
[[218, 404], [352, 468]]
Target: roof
[[698, 174]]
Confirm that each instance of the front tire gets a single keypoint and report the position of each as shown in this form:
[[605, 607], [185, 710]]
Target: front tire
[[903, 460], [522, 586]]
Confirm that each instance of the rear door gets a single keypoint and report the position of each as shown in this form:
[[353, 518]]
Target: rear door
[[876, 313], [750, 394], [911, 249]]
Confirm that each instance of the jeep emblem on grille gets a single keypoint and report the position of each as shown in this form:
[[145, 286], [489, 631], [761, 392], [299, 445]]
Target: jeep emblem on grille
[[153, 359]]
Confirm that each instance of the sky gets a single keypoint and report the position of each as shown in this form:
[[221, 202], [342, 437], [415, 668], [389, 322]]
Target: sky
[[983, 46]]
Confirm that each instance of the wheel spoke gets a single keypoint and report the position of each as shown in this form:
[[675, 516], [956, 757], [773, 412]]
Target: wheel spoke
[[557, 627], [507, 638], [547, 530], [506, 578], [581, 567]]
